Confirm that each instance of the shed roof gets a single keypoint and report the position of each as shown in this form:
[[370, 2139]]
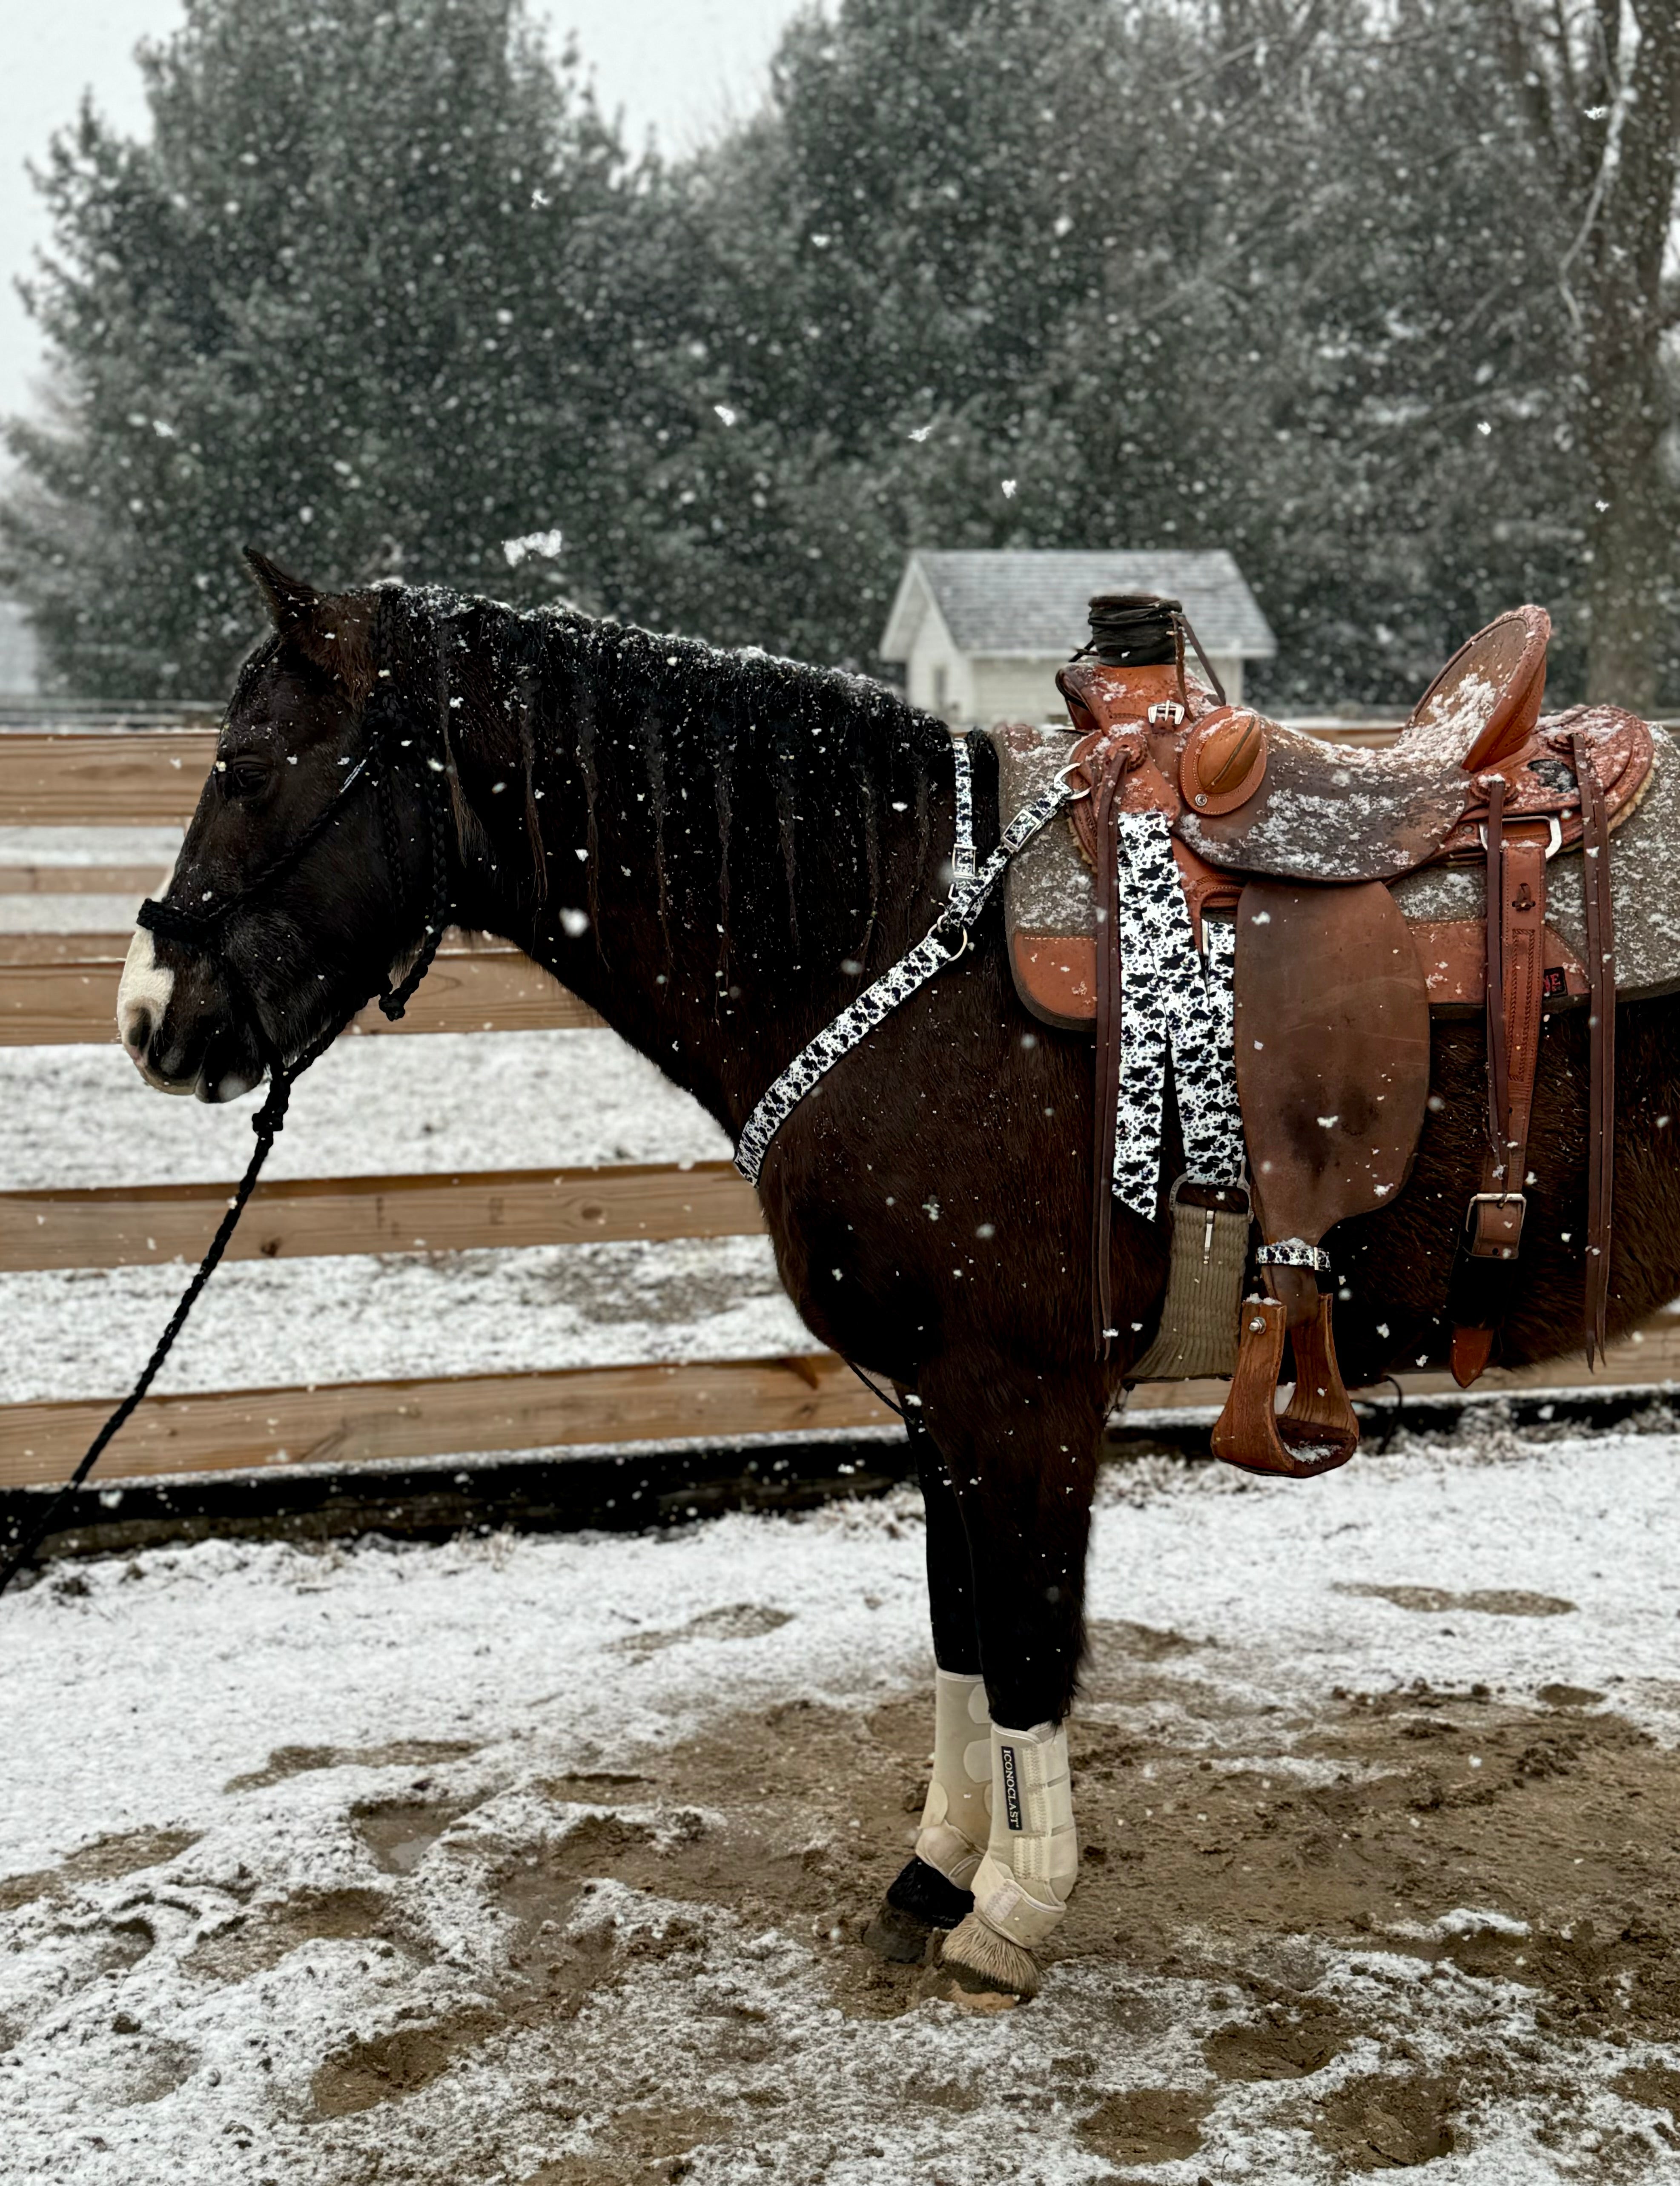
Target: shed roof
[[1032, 603]]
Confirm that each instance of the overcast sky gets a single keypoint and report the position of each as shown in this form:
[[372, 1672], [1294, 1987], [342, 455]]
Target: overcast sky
[[679, 67]]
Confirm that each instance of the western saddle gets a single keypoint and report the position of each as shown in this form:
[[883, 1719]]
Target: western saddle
[[1298, 840]]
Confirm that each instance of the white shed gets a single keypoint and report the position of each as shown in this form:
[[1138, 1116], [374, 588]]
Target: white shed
[[981, 636], [20, 676]]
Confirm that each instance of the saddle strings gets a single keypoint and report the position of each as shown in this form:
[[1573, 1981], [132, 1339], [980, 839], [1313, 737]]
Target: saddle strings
[[1601, 1042], [1494, 982], [1111, 767]]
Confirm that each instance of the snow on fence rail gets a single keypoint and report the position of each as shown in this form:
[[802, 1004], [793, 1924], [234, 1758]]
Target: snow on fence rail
[[62, 988], [59, 989]]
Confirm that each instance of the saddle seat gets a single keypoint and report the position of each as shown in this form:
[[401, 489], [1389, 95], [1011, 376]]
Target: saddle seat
[[1249, 796]]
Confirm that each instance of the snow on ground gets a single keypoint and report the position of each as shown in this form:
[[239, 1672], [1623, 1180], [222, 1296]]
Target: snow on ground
[[545, 1860], [68, 914], [262, 1324], [90, 846]]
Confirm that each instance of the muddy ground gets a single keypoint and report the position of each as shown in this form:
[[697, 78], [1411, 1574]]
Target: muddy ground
[[1214, 1858], [1343, 1907]]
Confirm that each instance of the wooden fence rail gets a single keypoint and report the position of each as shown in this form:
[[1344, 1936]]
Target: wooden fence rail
[[149, 1225], [73, 1002], [37, 879], [348, 1422], [144, 778]]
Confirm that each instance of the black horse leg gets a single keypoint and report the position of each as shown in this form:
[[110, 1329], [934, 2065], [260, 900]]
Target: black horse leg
[[1021, 1453], [951, 1569], [925, 1897]]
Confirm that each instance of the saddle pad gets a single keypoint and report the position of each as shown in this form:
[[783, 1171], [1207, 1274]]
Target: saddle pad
[[1050, 906], [1050, 917], [1645, 887]]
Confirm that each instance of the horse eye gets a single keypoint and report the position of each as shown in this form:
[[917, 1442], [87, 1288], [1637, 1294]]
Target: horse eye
[[243, 777]]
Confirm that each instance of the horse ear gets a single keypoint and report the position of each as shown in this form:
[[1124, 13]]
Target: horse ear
[[337, 634], [288, 600]]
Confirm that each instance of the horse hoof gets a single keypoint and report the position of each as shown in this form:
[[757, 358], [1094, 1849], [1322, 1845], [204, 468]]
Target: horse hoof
[[919, 1904], [927, 1896], [983, 1963], [899, 1939]]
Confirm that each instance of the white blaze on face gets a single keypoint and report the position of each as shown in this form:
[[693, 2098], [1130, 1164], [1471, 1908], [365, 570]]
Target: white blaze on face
[[143, 996]]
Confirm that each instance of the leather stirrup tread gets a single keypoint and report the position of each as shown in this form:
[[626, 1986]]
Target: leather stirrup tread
[[1322, 1434]]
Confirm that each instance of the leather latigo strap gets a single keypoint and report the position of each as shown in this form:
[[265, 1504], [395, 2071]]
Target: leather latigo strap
[[1106, 769], [1516, 979], [1601, 1023], [1516, 952]]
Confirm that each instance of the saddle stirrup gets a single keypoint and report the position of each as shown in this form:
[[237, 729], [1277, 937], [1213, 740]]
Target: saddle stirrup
[[1319, 1430]]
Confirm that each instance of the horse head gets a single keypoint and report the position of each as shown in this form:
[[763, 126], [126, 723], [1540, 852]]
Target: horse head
[[301, 879]]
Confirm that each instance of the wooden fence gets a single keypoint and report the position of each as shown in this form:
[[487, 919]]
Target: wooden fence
[[61, 988]]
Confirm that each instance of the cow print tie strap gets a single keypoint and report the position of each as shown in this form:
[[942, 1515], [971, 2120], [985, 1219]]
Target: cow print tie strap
[[962, 847], [1293, 1253], [1173, 1003], [941, 945]]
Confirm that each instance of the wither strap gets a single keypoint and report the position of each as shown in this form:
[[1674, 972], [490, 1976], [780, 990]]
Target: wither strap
[[943, 944]]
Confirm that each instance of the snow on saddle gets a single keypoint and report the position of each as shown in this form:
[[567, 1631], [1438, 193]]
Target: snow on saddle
[[1331, 898]]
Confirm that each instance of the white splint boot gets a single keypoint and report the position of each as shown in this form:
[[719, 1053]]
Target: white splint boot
[[956, 1817], [1022, 1886]]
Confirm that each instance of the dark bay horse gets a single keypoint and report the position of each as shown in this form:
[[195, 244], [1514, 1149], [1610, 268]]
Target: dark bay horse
[[719, 851]]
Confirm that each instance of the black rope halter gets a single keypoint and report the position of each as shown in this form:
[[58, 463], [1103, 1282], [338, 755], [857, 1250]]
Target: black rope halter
[[203, 926]]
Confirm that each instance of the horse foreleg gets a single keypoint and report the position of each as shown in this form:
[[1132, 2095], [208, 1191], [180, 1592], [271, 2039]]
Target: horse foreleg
[[932, 1891], [1021, 1453]]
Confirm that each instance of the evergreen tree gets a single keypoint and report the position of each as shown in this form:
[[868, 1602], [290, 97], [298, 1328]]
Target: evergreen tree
[[383, 293], [1598, 87], [360, 298], [996, 272], [1344, 361]]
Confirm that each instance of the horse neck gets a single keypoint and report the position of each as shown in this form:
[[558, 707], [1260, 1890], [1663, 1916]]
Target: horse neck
[[734, 846]]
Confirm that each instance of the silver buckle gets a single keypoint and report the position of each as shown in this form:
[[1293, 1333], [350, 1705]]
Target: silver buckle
[[1555, 843], [1167, 710], [1498, 1199]]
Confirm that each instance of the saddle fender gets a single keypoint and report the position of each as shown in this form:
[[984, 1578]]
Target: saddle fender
[[1332, 1051], [1332, 1068]]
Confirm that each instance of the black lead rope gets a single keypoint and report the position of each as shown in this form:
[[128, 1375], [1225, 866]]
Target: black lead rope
[[874, 1391], [268, 1122]]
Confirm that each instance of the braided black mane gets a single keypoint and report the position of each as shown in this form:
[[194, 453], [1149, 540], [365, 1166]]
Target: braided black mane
[[756, 786]]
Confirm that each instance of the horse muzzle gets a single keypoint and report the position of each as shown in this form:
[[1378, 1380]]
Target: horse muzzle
[[179, 1032]]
